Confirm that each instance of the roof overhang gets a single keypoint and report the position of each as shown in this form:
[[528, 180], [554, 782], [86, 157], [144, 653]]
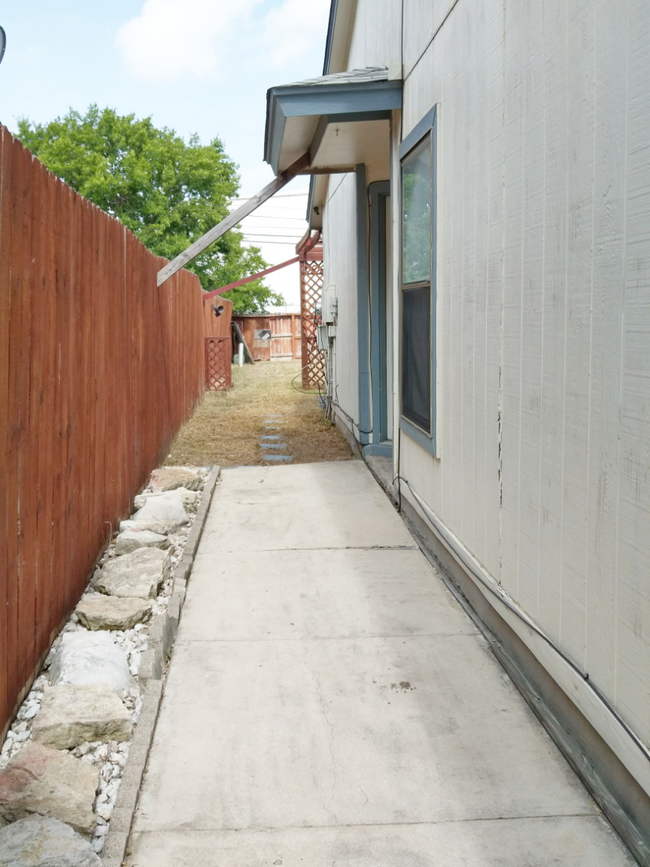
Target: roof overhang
[[340, 120]]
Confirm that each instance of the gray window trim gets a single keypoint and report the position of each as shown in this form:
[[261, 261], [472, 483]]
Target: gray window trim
[[379, 191], [423, 128], [418, 132]]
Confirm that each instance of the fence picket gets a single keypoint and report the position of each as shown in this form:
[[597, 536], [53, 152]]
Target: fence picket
[[98, 369]]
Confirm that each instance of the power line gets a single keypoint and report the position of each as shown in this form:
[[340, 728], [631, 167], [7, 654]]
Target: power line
[[276, 196], [269, 235], [264, 243], [274, 217]]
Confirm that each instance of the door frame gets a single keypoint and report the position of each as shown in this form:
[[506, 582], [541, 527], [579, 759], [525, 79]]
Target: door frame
[[381, 444]]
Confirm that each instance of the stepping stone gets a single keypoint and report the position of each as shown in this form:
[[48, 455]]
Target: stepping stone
[[130, 540], [170, 478], [138, 574], [112, 612], [278, 458], [42, 842], [271, 437], [50, 783], [74, 715], [164, 508], [91, 659], [279, 447]]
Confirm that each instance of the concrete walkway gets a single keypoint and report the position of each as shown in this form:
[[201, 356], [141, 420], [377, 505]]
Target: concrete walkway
[[329, 704]]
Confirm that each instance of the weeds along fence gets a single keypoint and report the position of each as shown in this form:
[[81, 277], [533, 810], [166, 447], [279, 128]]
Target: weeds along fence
[[98, 369]]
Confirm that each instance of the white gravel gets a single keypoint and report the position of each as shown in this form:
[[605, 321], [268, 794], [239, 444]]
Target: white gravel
[[109, 758]]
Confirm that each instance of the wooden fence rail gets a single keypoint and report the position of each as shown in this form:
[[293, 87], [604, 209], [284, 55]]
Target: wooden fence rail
[[98, 369]]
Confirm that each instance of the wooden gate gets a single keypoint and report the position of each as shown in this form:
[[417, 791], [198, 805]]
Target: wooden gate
[[285, 336]]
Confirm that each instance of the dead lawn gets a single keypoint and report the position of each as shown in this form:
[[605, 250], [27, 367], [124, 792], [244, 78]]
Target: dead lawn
[[227, 427]]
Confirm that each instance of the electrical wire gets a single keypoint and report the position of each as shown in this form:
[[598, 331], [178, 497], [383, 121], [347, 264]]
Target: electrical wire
[[528, 622], [348, 417], [302, 390]]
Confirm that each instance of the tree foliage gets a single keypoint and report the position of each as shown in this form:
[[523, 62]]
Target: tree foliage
[[167, 191]]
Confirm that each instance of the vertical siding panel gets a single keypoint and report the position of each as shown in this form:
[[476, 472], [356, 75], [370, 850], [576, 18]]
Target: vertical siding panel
[[633, 565], [445, 308], [554, 303], [512, 281], [481, 205], [607, 313], [418, 30], [455, 187], [532, 291], [580, 95], [471, 299], [494, 277]]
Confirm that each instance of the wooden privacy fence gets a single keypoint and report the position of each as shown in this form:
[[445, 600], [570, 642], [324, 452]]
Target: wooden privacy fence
[[98, 369], [271, 336]]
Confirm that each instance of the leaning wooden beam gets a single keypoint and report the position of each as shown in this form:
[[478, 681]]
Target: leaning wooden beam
[[233, 219], [248, 355], [249, 279]]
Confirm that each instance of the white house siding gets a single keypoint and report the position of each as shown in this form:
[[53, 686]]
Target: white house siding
[[376, 34], [340, 263], [543, 279]]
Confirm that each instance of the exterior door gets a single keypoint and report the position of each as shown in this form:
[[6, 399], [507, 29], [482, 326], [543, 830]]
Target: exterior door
[[381, 320]]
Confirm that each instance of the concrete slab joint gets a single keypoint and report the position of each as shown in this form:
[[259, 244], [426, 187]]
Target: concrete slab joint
[[152, 667], [359, 709]]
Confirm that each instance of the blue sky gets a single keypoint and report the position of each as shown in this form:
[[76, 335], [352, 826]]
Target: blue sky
[[192, 65]]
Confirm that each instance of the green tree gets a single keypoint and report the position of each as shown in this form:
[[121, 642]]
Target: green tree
[[167, 191]]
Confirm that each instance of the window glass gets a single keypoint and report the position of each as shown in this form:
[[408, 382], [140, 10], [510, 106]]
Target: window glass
[[416, 228], [416, 356]]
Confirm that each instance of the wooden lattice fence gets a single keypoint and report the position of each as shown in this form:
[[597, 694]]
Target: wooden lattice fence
[[218, 363], [311, 293]]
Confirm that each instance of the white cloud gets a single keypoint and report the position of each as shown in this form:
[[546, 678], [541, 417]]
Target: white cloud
[[295, 29], [172, 38]]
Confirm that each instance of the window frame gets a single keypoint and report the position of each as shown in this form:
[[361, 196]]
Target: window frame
[[426, 127]]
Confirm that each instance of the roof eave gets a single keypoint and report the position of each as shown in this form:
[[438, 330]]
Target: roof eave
[[337, 98]]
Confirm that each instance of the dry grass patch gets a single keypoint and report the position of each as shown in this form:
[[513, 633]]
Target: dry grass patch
[[227, 427]]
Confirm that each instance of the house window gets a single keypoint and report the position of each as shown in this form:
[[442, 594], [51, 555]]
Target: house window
[[417, 154]]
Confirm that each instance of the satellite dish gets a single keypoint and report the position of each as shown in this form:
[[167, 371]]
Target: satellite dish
[[3, 43]]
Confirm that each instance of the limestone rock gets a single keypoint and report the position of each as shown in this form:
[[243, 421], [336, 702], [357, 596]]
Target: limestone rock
[[41, 842], [45, 781], [169, 478], [164, 508], [131, 540], [91, 659], [153, 526], [189, 499], [73, 715], [139, 574], [112, 612]]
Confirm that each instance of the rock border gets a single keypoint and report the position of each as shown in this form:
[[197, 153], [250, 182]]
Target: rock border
[[161, 639]]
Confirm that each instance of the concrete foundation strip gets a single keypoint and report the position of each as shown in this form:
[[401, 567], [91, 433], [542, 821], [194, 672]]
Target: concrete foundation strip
[[161, 638]]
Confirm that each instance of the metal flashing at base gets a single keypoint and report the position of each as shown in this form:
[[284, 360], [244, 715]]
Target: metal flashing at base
[[378, 450], [617, 793]]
